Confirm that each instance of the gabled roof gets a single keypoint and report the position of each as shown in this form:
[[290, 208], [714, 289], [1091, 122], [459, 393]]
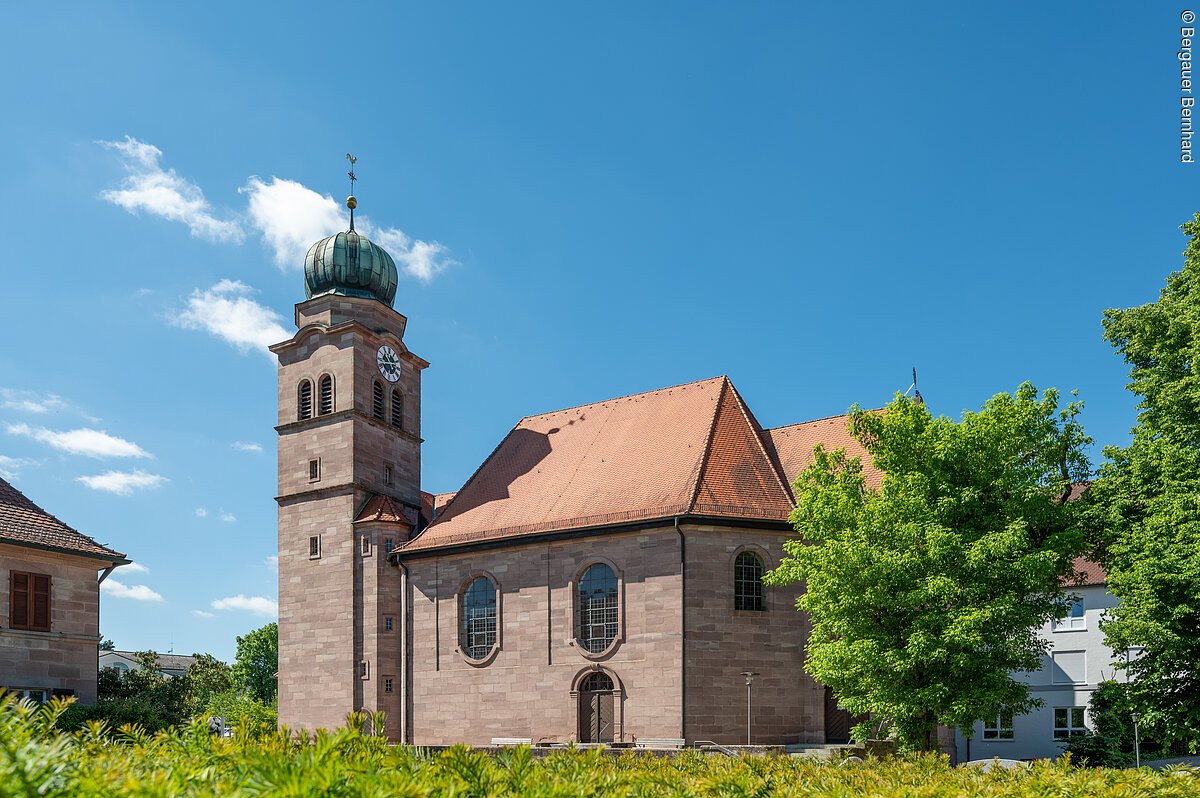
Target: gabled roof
[[23, 523], [382, 509], [690, 449]]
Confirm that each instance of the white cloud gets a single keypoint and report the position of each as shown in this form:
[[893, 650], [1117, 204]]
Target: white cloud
[[272, 562], [203, 614], [11, 466], [136, 592], [244, 446], [420, 259], [201, 512], [85, 441], [228, 518], [30, 402], [259, 605], [162, 192], [122, 483], [227, 311], [292, 217], [134, 568]]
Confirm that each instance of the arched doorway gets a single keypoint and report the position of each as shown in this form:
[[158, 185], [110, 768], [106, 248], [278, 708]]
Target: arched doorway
[[597, 708]]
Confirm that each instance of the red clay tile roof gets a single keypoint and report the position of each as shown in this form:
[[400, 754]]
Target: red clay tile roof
[[689, 449], [1089, 572], [23, 523], [794, 444], [382, 509]]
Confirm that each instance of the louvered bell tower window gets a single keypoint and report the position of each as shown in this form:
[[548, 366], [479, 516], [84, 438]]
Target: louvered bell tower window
[[325, 402], [377, 400], [397, 410], [304, 400]]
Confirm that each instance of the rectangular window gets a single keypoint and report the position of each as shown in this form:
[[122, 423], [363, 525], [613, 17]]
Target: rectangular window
[[314, 470], [387, 474], [34, 694], [1068, 723], [387, 623], [1070, 667], [314, 547], [388, 545], [365, 545], [364, 670], [387, 685], [29, 601], [999, 727], [1076, 618]]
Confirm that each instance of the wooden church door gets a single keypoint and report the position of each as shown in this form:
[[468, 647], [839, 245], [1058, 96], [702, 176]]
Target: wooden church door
[[597, 709]]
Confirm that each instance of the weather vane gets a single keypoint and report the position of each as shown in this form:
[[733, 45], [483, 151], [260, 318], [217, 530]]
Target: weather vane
[[351, 202]]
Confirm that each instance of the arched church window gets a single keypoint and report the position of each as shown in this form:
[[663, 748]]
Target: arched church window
[[325, 399], [747, 583], [596, 608], [477, 627], [377, 400], [304, 400], [397, 409]]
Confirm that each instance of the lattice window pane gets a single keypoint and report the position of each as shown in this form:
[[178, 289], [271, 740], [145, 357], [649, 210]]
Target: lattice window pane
[[747, 583], [478, 626], [597, 608]]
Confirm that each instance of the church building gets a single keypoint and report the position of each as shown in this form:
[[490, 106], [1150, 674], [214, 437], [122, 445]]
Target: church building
[[597, 579]]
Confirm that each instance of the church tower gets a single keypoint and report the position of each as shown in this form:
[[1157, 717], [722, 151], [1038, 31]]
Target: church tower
[[349, 485]]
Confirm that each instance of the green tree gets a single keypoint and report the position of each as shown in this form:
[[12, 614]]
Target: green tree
[[257, 662], [107, 645], [206, 677], [927, 592], [1146, 504]]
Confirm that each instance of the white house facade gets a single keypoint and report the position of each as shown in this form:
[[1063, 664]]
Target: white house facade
[[1076, 663]]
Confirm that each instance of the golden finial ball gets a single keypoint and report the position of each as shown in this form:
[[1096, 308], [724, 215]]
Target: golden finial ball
[[351, 202]]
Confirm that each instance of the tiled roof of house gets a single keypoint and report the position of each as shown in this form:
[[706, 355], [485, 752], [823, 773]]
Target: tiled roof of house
[[172, 662], [23, 523], [1088, 572], [689, 449]]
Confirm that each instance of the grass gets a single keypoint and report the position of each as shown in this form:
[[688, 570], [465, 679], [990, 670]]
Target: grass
[[38, 760]]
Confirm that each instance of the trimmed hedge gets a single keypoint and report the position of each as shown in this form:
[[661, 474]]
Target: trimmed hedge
[[38, 760]]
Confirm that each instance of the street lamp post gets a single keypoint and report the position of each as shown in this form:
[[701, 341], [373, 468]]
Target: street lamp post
[[749, 676], [1137, 744]]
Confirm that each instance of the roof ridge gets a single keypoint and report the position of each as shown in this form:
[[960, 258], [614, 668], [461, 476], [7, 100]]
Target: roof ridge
[[706, 455], [624, 396], [767, 452]]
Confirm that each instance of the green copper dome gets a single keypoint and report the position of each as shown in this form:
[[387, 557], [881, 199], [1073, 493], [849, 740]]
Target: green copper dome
[[348, 264]]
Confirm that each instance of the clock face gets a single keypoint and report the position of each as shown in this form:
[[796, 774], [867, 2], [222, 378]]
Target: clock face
[[388, 362]]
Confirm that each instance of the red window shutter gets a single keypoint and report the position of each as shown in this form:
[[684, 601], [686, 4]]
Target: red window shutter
[[41, 601], [18, 601]]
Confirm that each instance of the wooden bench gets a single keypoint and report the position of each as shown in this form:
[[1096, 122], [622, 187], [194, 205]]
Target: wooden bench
[[659, 742], [512, 741]]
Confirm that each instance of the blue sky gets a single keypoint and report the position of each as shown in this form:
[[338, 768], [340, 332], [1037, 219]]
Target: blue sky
[[586, 201]]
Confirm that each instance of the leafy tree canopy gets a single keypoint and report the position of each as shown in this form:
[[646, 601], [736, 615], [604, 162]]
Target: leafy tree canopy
[[1145, 506], [927, 591], [257, 662]]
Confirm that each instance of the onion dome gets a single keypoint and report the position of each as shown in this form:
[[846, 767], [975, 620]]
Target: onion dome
[[349, 264]]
